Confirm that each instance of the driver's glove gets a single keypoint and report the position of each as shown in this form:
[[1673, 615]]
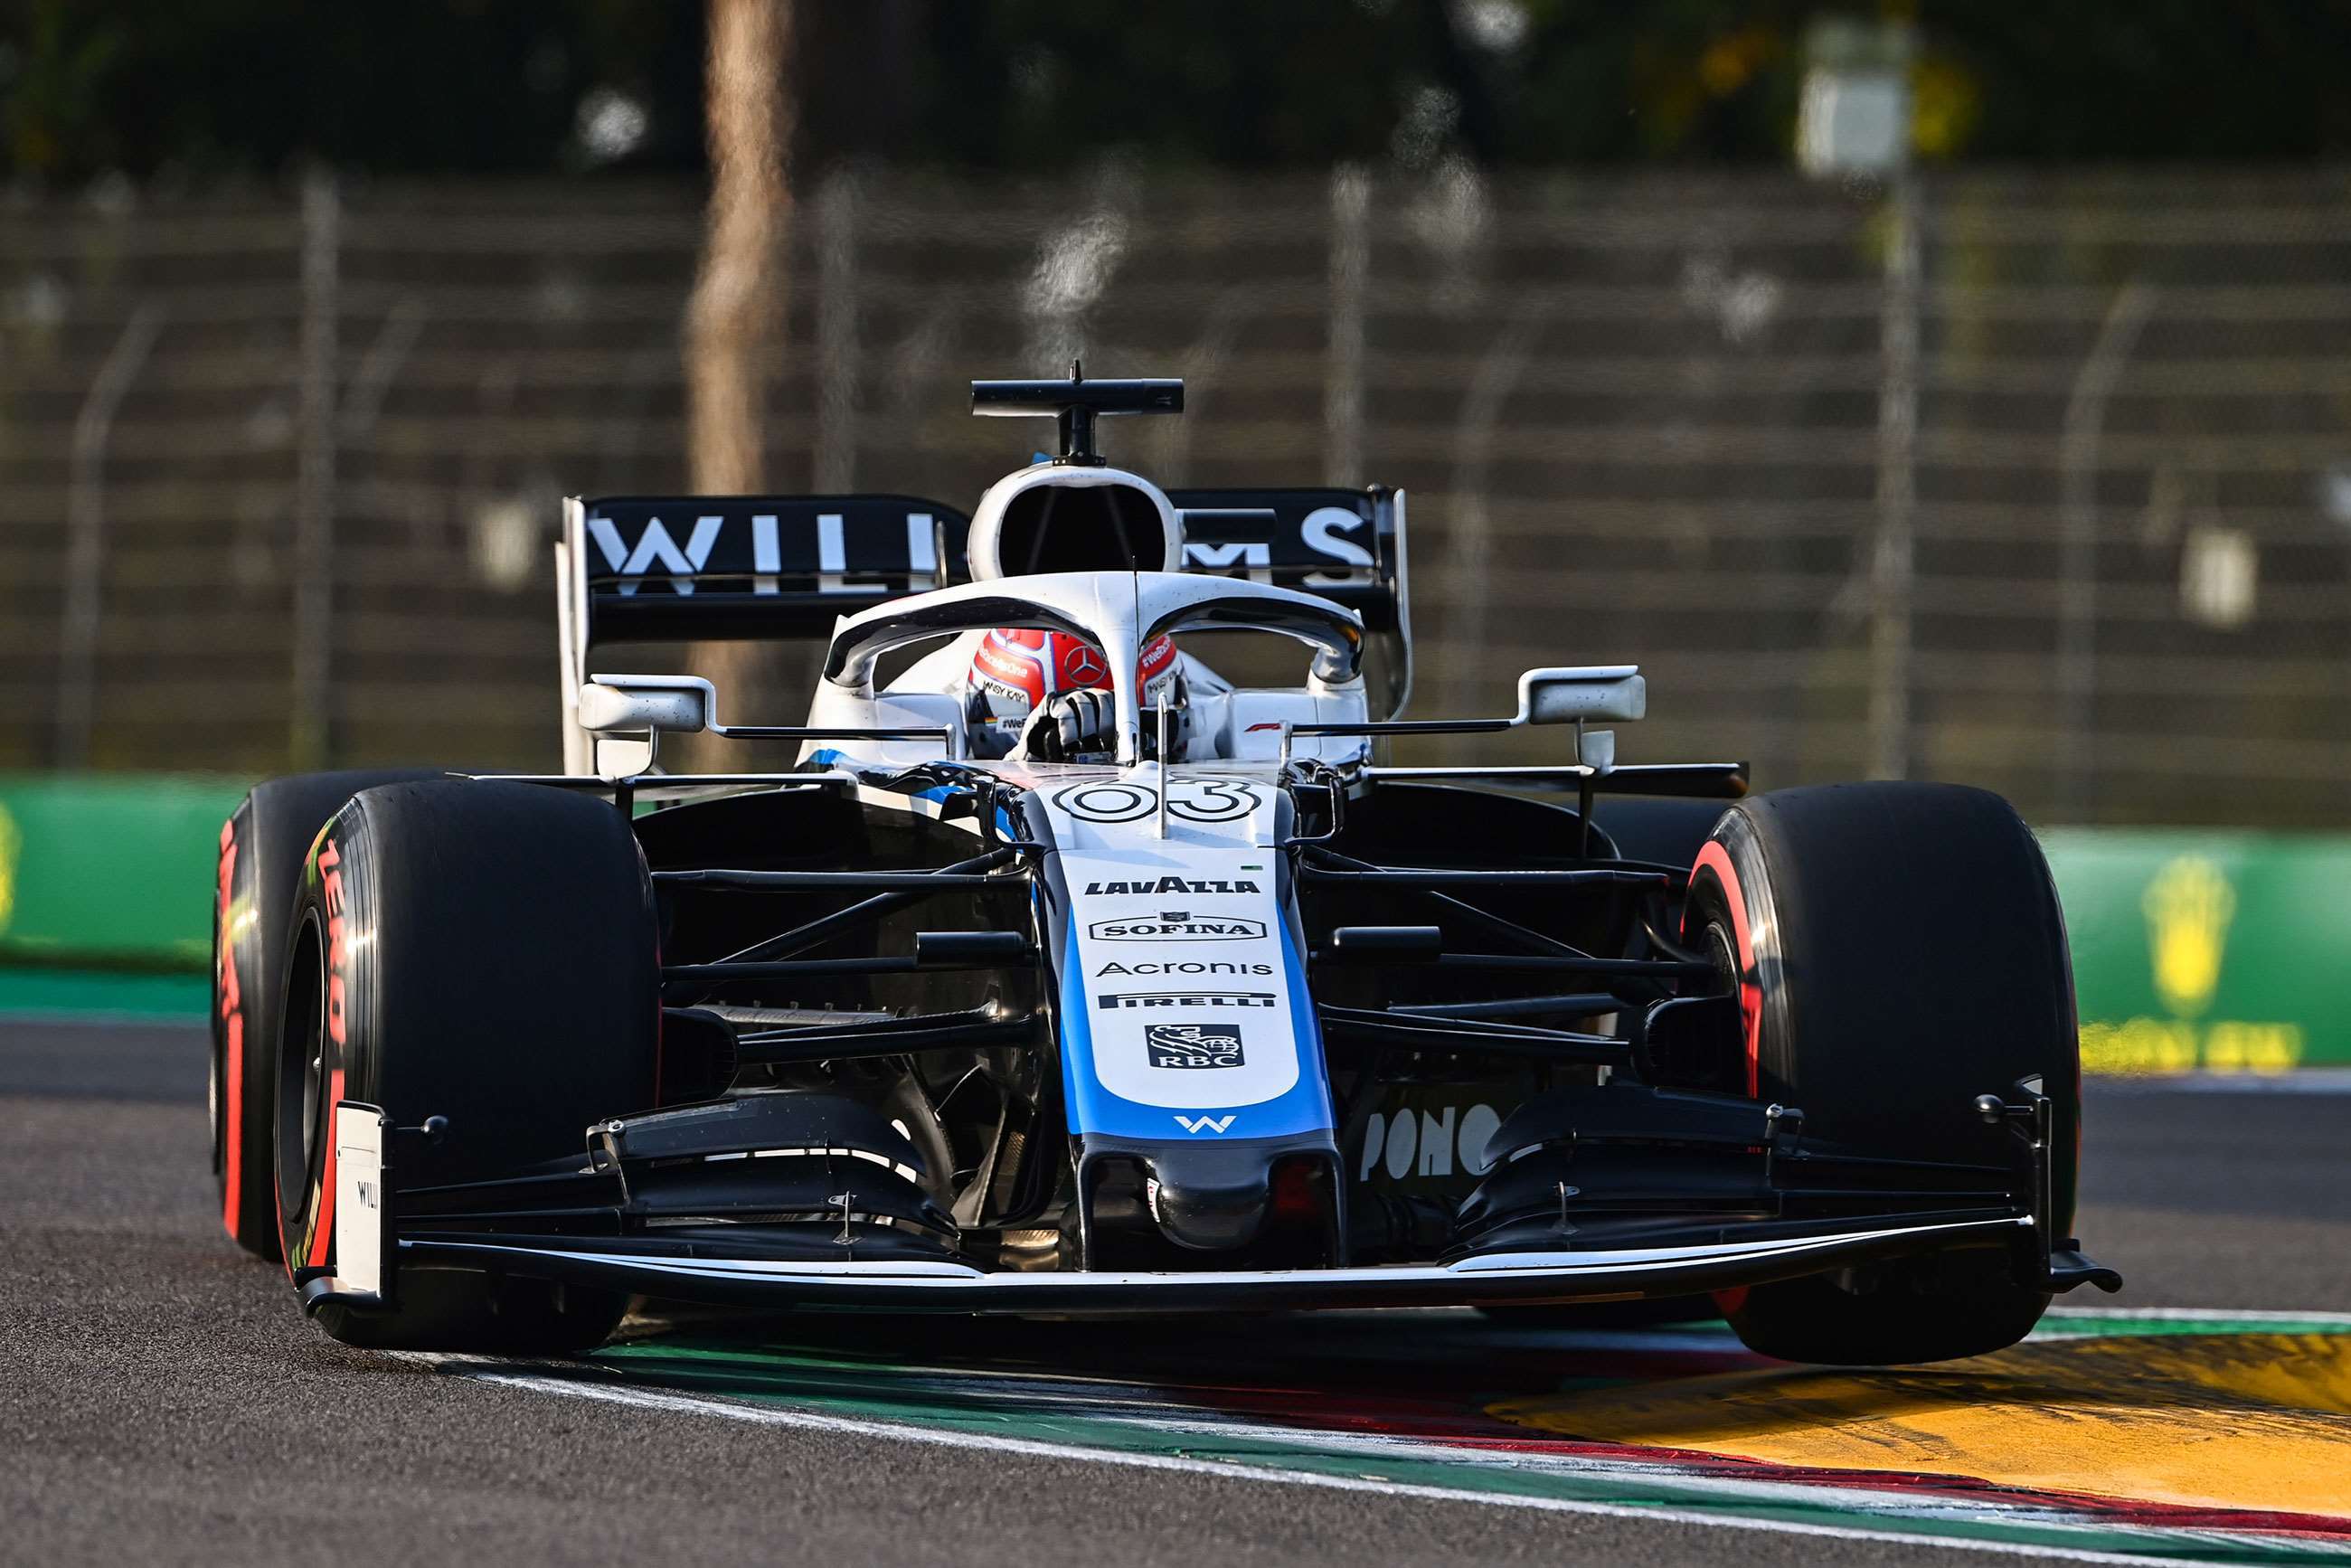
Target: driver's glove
[[1068, 725], [1177, 696]]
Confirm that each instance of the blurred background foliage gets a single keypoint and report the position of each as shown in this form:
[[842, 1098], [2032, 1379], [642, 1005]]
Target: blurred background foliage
[[201, 91]]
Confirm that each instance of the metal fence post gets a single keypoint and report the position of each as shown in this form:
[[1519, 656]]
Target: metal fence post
[[1892, 563], [1202, 365], [86, 536], [1471, 535], [2077, 578], [311, 742], [1343, 371]]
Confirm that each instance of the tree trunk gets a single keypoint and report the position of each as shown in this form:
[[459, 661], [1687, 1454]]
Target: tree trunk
[[733, 324]]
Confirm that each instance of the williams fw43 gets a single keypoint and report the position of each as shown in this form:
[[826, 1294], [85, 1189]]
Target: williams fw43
[[1062, 973]]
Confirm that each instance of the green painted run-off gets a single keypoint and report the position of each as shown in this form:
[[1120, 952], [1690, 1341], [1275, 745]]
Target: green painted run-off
[[111, 873], [2207, 950]]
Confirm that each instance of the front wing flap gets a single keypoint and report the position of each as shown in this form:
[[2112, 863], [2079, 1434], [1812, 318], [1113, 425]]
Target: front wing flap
[[701, 1271]]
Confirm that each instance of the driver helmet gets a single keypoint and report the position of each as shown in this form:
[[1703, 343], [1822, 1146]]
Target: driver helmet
[[1017, 668]]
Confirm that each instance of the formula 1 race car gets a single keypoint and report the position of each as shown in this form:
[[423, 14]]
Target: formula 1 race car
[[1156, 994]]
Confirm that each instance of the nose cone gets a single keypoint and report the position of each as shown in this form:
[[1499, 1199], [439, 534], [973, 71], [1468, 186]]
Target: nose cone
[[1213, 1199]]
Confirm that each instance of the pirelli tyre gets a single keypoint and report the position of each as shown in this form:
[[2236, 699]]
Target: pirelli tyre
[[485, 953], [1898, 950], [262, 847]]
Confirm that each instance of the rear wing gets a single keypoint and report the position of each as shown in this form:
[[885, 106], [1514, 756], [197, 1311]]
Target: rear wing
[[697, 568], [647, 568]]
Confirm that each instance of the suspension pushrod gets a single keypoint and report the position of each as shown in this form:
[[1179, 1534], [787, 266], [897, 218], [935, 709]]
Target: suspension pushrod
[[1431, 877], [1363, 1027], [856, 1028], [863, 913], [1668, 945], [797, 968], [1659, 968], [1495, 925], [924, 1031], [1381, 1017], [1585, 1004], [824, 881]]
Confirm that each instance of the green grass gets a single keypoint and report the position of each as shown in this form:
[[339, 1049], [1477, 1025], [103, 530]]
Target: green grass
[[78, 993]]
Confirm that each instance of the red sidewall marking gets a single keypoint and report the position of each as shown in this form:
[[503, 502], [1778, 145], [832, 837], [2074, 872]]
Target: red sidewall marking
[[338, 961], [277, 1201], [231, 1008], [232, 1155], [1713, 857], [323, 1223]]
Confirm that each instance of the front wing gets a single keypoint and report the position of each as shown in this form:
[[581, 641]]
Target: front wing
[[372, 1253], [700, 1272]]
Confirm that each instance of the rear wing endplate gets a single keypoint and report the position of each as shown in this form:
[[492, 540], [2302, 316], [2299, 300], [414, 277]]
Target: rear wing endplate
[[1346, 546]]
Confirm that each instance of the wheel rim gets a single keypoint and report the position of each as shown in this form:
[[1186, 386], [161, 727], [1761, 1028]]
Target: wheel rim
[[313, 1088], [1721, 950], [216, 1107], [301, 1068]]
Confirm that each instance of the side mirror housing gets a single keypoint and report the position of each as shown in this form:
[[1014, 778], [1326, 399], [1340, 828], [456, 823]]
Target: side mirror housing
[[645, 705], [1565, 695]]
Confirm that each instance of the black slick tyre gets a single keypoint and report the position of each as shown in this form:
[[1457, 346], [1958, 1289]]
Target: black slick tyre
[[262, 847], [1897, 950], [484, 952]]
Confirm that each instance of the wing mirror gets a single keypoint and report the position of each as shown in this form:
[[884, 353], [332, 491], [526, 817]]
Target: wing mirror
[[1570, 694], [645, 705]]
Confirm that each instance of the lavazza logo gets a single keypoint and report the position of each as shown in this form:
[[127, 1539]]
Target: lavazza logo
[[1170, 884], [1176, 925], [1115, 1001], [1193, 1045]]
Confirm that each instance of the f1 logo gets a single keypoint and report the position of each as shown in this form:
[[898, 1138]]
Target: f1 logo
[[1206, 1123]]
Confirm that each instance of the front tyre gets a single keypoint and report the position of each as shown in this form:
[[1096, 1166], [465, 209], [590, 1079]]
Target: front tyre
[[263, 846], [1898, 950], [484, 952]]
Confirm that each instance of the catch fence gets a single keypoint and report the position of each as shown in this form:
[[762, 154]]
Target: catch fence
[[2041, 481]]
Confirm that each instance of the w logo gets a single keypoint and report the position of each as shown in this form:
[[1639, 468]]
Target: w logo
[[1206, 1123], [656, 547]]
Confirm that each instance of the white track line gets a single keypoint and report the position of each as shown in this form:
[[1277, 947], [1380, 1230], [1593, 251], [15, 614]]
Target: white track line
[[2197, 1315], [682, 1403]]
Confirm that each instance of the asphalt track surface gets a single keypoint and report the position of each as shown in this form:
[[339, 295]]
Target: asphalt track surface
[[162, 1399]]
